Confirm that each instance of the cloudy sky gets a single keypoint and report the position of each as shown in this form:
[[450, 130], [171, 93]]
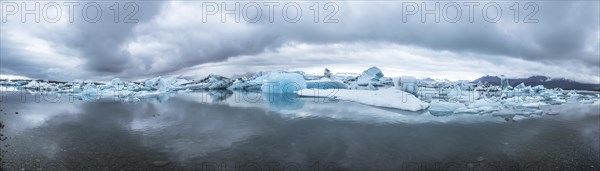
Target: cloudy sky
[[190, 38]]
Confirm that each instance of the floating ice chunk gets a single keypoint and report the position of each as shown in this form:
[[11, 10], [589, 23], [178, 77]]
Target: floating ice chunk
[[114, 83], [534, 104], [12, 83], [485, 102], [106, 86], [217, 82], [528, 111], [164, 85], [523, 101], [325, 83], [389, 97], [35, 85], [371, 75], [91, 92], [212, 82], [539, 88], [587, 101], [282, 83], [174, 84], [520, 86], [461, 95], [152, 83], [253, 83], [408, 84], [31, 85], [179, 82], [480, 106], [572, 97], [444, 108], [355, 86], [244, 85]]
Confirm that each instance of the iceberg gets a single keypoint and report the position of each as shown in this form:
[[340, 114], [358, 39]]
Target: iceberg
[[325, 83], [480, 106], [520, 86], [241, 84], [408, 84], [91, 92], [31, 85], [444, 108], [390, 97], [12, 82], [461, 95], [371, 75], [212, 82], [280, 82], [370, 87]]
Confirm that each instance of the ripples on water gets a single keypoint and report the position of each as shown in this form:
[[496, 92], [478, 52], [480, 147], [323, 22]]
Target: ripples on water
[[220, 130]]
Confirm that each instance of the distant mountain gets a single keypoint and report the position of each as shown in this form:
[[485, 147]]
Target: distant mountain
[[542, 80]]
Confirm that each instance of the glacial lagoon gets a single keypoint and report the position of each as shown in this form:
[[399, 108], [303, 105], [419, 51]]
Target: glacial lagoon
[[224, 130]]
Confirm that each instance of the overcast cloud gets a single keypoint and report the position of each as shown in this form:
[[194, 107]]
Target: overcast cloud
[[171, 39]]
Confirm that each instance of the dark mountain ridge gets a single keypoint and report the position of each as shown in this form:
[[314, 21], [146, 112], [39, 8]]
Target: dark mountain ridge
[[541, 80]]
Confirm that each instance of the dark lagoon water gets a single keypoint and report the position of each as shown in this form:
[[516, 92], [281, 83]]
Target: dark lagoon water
[[231, 131]]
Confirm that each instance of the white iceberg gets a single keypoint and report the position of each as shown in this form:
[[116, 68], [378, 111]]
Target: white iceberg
[[390, 97], [369, 76], [480, 106], [444, 108], [407, 83]]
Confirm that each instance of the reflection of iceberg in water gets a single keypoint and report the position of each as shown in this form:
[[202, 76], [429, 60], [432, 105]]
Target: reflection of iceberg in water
[[204, 95], [219, 95], [158, 97], [283, 101]]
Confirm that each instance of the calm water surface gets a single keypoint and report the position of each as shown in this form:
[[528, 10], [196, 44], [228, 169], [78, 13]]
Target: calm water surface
[[225, 131]]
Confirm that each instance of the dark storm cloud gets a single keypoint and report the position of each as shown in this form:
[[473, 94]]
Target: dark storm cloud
[[561, 33], [172, 36], [102, 43]]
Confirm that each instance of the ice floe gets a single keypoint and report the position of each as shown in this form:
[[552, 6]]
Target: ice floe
[[390, 97]]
